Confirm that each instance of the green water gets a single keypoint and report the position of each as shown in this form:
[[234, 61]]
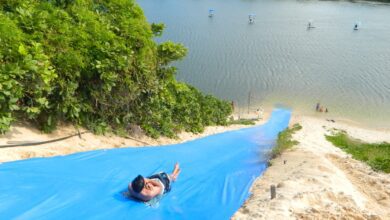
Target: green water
[[277, 60]]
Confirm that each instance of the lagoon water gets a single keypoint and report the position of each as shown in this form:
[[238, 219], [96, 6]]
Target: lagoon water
[[277, 60]]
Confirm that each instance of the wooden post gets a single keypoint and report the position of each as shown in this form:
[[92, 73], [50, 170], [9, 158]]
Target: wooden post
[[273, 191]]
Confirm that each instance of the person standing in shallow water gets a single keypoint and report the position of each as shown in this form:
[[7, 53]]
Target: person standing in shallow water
[[146, 189], [318, 107]]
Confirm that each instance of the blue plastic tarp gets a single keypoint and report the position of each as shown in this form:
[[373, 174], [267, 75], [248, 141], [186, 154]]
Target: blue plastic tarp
[[217, 172]]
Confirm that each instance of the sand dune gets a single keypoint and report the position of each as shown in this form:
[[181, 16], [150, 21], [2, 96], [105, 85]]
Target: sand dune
[[88, 141], [319, 181]]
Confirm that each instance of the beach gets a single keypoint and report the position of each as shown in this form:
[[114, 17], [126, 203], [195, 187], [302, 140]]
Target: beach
[[314, 180]]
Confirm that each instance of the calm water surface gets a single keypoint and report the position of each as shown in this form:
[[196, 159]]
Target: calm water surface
[[277, 60]]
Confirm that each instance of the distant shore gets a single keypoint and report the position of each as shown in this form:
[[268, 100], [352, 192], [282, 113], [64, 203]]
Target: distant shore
[[314, 180]]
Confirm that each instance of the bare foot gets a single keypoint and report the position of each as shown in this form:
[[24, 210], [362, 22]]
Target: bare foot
[[176, 172]]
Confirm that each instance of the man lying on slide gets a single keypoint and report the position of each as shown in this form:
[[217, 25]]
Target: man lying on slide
[[146, 189]]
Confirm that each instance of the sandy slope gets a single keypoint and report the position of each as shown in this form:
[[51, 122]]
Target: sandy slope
[[88, 141], [319, 181]]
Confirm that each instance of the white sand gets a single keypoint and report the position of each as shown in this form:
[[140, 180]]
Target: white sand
[[88, 141], [319, 181]]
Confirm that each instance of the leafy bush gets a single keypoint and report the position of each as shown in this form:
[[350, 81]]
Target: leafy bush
[[95, 64], [285, 140], [242, 122]]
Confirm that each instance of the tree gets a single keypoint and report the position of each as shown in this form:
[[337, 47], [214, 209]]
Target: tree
[[94, 63]]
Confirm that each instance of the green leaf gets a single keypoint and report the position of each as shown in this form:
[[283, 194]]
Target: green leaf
[[22, 50]]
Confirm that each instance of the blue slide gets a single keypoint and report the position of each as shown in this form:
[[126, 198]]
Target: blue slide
[[217, 173]]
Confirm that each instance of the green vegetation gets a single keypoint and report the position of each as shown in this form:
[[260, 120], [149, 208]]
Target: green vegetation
[[376, 155], [285, 140], [242, 122], [94, 63]]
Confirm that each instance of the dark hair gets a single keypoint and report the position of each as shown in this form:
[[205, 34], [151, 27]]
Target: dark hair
[[138, 184]]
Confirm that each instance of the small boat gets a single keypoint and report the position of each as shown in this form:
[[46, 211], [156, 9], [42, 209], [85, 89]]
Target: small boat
[[357, 26], [211, 12], [251, 18], [310, 25]]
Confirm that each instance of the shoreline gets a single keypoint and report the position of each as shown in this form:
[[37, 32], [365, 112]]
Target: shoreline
[[317, 181], [338, 117], [89, 141]]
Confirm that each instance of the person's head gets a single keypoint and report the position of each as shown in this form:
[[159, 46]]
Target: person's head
[[138, 184]]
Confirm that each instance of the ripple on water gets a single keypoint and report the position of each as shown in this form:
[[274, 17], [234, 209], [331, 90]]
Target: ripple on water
[[278, 59]]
